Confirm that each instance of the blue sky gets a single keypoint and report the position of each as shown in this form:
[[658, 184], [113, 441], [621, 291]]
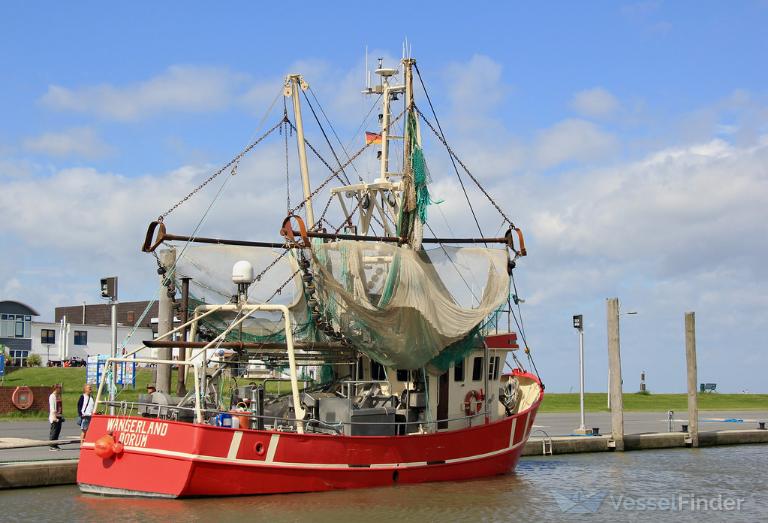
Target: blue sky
[[628, 139]]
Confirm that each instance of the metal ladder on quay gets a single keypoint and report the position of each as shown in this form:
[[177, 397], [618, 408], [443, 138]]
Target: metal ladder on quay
[[546, 443]]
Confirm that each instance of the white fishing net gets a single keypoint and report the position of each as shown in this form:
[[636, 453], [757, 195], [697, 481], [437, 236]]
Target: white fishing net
[[402, 308], [210, 270]]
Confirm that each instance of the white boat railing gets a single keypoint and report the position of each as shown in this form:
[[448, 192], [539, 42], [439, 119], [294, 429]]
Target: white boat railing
[[244, 310]]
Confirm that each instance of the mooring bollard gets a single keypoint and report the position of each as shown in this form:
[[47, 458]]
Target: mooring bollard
[[596, 430], [670, 413], [761, 425], [685, 428]]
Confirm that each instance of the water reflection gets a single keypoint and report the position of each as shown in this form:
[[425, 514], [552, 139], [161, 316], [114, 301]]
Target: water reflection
[[540, 490]]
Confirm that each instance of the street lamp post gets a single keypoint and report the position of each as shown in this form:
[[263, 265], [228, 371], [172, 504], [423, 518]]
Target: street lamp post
[[578, 324], [109, 290]]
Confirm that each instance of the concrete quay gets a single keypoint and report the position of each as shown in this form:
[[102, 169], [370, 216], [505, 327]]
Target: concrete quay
[[543, 445], [643, 430], [38, 473]]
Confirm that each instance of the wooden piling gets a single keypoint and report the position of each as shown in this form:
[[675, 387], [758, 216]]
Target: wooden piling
[[614, 366], [690, 358]]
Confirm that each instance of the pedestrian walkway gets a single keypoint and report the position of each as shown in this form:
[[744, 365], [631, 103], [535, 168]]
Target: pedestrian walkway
[[14, 433]]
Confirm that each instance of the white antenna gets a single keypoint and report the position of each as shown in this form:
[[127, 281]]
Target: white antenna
[[367, 75]]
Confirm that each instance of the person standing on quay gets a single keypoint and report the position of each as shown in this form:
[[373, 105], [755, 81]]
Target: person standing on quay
[[55, 414], [85, 409]]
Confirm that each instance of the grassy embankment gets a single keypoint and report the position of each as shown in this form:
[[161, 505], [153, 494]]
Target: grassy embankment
[[72, 380], [597, 402]]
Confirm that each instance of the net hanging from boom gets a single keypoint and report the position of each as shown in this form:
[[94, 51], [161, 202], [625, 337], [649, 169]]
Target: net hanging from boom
[[403, 308]]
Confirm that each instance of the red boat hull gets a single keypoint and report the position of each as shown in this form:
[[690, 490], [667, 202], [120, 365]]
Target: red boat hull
[[173, 459]]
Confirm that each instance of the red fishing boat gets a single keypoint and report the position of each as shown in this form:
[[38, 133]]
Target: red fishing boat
[[374, 362]]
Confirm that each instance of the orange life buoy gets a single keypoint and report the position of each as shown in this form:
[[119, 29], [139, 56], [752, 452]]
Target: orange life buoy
[[473, 402], [22, 398]]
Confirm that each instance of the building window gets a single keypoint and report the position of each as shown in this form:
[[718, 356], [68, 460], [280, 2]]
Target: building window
[[81, 337], [131, 316], [458, 371], [402, 375], [6, 325], [477, 369], [47, 336], [19, 326], [19, 358]]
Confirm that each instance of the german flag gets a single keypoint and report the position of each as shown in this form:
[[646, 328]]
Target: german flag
[[372, 138]]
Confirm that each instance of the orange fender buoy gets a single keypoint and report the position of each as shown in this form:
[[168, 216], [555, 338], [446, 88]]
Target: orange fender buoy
[[104, 446], [22, 398]]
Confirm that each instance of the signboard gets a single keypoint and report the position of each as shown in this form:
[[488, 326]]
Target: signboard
[[2, 364], [126, 372]]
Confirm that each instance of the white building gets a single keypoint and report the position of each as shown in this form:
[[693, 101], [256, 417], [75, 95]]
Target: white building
[[62, 341]]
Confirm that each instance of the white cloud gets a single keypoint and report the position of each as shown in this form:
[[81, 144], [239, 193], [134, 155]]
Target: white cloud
[[475, 88], [681, 229], [75, 224], [179, 88], [79, 141], [11, 167], [475, 85], [686, 208], [596, 103], [572, 140]]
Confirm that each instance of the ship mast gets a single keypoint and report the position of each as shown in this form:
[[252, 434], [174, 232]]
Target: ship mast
[[383, 199], [294, 82], [408, 66]]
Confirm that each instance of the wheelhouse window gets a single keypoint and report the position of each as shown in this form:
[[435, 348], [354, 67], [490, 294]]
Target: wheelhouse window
[[477, 369], [47, 336], [458, 371], [377, 371], [81, 337]]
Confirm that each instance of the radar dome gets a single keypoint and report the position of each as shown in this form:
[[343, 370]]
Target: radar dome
[[242, 272]]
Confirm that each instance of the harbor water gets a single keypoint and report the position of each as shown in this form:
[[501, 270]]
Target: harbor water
[[711, 484]]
